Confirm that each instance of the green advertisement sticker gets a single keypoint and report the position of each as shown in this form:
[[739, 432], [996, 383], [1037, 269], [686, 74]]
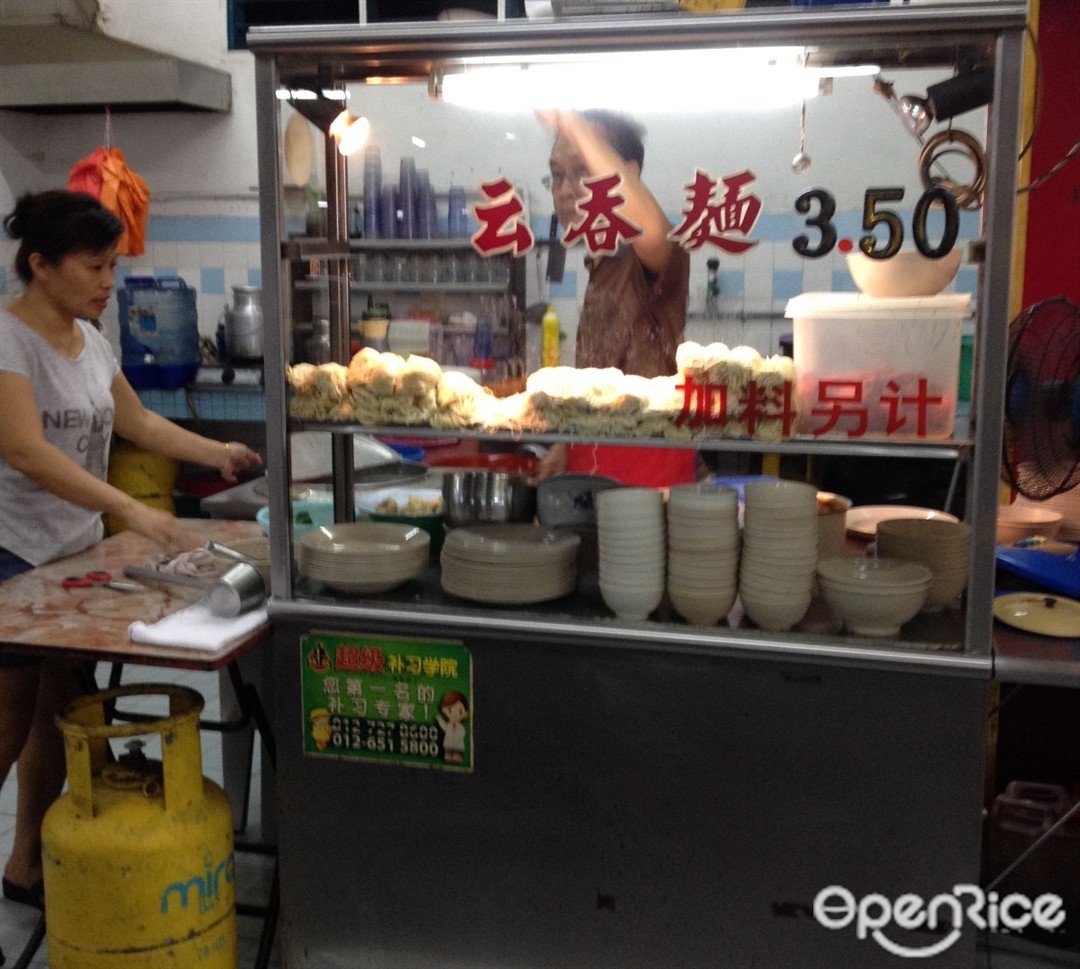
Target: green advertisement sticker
[[395, 701]]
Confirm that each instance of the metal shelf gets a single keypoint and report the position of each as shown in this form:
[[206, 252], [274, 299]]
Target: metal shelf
[[402, 286], [931, 450], [930, 643], [317, 248]]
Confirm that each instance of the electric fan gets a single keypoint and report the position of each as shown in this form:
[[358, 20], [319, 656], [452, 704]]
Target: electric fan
[[1041, 445]]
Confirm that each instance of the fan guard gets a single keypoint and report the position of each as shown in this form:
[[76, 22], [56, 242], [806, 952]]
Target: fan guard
[[1041, 445]]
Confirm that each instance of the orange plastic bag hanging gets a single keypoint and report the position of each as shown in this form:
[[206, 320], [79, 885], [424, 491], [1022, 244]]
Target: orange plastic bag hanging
[[105, 175]]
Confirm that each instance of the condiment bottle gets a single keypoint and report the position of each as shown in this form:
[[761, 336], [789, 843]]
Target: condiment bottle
[[549, 339], [374, 327]]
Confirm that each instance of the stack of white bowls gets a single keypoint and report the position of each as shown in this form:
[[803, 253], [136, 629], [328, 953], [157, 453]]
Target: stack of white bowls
[[703, 551], [512, 564], [873, 597], [939, 545], [780, 549], [362, 557], [630, 532]]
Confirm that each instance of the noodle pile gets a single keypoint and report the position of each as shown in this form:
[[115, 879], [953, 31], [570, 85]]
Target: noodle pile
[[716, 392]]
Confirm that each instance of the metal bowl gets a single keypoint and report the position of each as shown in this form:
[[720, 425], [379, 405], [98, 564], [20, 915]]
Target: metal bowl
[[485, 497]]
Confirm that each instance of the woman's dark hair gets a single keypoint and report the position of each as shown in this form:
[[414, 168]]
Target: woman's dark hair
[[624, 134], [57, 224]]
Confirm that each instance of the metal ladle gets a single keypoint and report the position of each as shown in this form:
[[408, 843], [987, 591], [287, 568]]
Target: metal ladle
[[801, 162], [228, 552]]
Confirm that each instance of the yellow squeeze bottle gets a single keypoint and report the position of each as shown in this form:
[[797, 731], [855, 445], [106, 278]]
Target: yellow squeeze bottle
[[549, 338]]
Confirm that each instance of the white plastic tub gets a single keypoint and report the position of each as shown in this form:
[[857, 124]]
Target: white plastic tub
[[885, 368]]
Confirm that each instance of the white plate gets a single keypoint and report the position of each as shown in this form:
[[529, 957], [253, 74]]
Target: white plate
[[1034, 613], [520, 544], [863, 520], [299, 150], [364, 539]]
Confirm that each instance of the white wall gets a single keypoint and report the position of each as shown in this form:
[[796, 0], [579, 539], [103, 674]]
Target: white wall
[[189, 160], [201, 164]]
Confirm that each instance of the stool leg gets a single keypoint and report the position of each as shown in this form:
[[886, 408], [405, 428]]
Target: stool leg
[[33, 943], [266, 937], [237, 751]]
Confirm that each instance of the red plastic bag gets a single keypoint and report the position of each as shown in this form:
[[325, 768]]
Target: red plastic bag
[[105, 175]]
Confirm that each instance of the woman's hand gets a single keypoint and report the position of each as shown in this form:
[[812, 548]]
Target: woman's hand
[[552, 463], [159, 526], [238, 457]]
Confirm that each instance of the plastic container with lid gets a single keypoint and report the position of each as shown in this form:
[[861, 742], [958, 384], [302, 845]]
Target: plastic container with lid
[[868, 367]]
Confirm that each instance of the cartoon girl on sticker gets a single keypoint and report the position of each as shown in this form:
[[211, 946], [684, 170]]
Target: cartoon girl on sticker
[[320, 727], [454, 712]]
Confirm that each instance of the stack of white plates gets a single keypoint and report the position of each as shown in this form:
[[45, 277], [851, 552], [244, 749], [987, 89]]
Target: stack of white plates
[[630, 531], [703, 551], [360, 557], [509, 564], [780, 548]]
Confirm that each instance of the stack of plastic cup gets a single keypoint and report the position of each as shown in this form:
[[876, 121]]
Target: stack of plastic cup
[[425, 206], [407, 192], [372, 191], [458, 214], [388, 217]]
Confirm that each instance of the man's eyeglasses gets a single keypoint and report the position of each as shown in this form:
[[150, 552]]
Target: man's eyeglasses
[[555, 180]]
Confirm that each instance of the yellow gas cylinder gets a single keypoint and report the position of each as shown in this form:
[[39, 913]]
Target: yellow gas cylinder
[[138, 854], [146, 476]]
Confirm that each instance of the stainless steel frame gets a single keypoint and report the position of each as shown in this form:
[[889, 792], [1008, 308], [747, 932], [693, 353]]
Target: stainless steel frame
[[645, 794], [350, 52]]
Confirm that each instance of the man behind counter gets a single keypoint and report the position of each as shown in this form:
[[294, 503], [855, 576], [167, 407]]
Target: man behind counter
[[634, 309]]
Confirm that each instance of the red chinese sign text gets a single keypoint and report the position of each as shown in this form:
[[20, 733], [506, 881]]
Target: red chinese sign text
[[504, 227], [847, 401], [602, 226], [715, 220], [707, 405]]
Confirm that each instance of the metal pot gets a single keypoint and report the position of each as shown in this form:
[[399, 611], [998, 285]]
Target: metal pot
[[483, 497], [244, 324]]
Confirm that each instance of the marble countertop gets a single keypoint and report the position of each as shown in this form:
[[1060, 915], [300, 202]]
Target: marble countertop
[[38, 616]]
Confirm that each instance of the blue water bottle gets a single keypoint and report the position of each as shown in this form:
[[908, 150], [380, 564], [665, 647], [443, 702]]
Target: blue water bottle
[[159, 332]]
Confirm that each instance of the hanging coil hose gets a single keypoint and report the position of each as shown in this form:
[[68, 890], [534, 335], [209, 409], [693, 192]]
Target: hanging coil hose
[[941, 144]]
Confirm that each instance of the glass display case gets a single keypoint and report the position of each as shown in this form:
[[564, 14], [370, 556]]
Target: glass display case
[[600, 788], [791, 152]]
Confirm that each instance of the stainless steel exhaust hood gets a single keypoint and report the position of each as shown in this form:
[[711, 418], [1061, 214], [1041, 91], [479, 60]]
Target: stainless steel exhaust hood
[[54, 58]]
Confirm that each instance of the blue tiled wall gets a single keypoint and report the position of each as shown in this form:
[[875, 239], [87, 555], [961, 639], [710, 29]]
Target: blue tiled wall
[[212, 405]]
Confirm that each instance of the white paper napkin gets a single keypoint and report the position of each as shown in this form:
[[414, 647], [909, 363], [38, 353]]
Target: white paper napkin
[[197, 628]]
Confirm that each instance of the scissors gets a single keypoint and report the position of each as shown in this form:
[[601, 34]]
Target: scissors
[[98, 578]]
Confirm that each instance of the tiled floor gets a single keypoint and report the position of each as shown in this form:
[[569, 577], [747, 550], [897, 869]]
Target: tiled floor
[[252, 871]]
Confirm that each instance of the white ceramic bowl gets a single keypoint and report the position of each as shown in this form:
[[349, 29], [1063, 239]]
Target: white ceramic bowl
[[832, 524], [701, 609], [570, 499], [873, 597], [1017, 522], [941, 546], [906, 274], [775, 614], [634, 602]]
